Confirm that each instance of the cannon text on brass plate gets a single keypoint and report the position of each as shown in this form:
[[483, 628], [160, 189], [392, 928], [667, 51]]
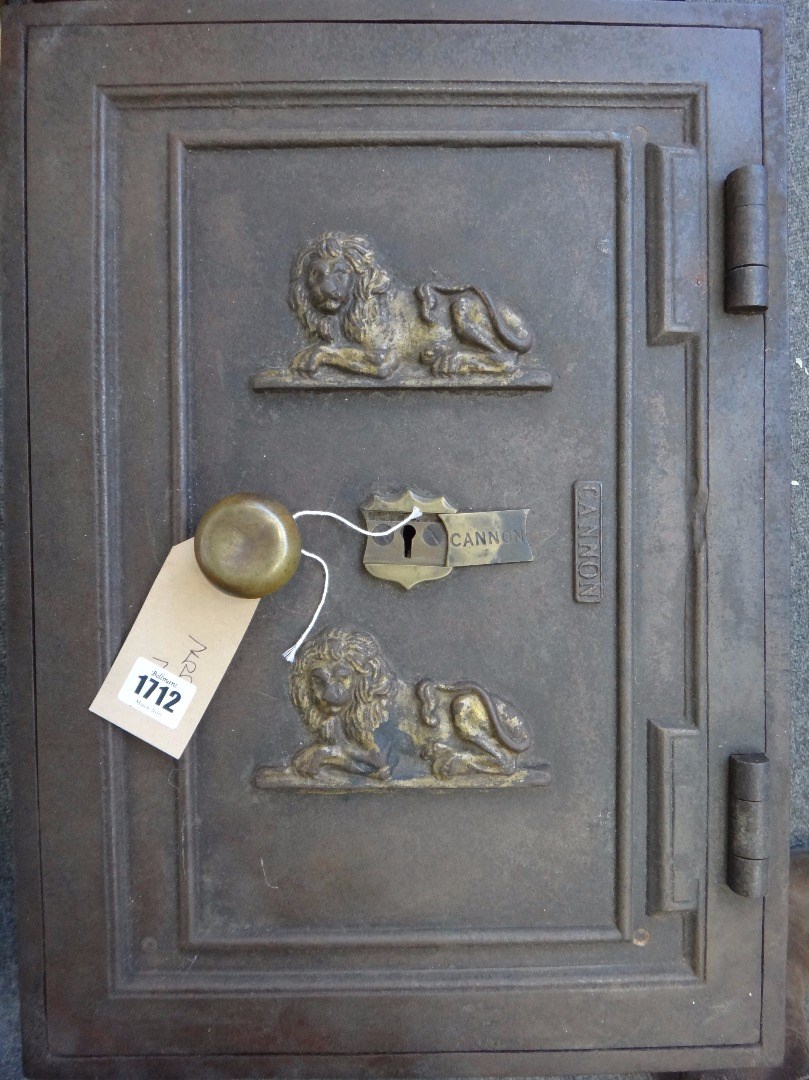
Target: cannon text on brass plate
[[364, 327], [373, 731], [441, 539]]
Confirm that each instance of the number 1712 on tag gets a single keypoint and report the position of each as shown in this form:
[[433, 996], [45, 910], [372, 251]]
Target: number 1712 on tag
[[157, 693]]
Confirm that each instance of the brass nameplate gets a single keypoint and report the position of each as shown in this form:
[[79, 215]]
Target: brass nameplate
[[441, 539], [487, 537]]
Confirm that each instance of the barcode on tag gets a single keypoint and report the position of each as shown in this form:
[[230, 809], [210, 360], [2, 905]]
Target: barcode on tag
[[156, 692]]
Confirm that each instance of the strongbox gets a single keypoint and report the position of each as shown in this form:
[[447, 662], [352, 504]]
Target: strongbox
[[501, 284]]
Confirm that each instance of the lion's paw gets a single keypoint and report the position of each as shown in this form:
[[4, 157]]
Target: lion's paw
[[446, 763], [385, 366], [442, 362], [307, 361], [309, 761]]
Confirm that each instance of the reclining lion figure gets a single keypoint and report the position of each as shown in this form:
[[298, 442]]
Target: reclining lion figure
[[362, 322], [358, 711]]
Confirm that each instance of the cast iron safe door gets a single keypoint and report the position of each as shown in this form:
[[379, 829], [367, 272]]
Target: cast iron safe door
[[479, 258]]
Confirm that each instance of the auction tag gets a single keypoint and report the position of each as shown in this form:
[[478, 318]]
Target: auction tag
[[157, 693], [175, 655]]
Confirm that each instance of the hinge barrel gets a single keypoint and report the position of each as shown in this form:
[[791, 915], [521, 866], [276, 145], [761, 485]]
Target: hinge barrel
[[748, 824], [747, 241]]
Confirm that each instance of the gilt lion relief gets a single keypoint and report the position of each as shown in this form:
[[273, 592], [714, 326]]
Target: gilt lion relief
[[364, 327], [372, 730]]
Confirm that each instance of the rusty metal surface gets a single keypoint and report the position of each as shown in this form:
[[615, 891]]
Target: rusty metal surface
[[795, 1065], [415, 932]]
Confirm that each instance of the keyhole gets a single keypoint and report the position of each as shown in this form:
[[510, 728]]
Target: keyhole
[[408, 532]]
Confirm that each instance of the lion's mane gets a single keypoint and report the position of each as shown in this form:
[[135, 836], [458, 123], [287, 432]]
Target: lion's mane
[[367, 309], [368, 706]]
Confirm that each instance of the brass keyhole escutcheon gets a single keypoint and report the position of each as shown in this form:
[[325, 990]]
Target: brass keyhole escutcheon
[[440, 539]]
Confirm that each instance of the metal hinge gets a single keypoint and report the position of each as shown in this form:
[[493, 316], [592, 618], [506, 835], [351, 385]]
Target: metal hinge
[[749, 824], [747, 241]]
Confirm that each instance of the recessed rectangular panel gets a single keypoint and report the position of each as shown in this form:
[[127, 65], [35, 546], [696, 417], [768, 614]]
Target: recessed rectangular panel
[[478, 857]]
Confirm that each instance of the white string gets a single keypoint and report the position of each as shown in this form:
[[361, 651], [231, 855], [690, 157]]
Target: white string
[[290, 654]]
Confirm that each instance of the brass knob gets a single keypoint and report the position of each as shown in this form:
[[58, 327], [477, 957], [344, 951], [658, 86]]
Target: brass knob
[[248, 545]]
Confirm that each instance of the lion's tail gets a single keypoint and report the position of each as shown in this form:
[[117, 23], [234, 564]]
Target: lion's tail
[[510, 729], [507, 324]]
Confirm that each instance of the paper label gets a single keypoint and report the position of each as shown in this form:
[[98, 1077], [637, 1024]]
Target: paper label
[[157, 693], [181, 643]]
